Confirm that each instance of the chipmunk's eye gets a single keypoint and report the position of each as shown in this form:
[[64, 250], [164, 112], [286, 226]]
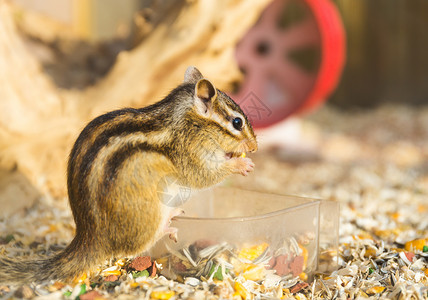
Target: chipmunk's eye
[[237, 123]]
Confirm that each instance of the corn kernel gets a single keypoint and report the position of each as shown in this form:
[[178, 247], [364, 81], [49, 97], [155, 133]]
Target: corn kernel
[[254, 273], [305, 255], [134, 285], [241, 290], [375, 290], [370, 253], [303, 276], [243, 155], [415, 245], [251, 253], [81, 278], [120, 262], [236, 296], [162, 295], [395, 215], [112, 272]]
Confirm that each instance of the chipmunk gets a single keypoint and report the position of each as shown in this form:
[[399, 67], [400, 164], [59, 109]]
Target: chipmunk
[[115, 167]]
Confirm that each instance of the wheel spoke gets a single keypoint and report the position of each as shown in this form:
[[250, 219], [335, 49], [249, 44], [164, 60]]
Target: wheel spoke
[[271, 13], [300, 35], [247, 54], [295, 81]]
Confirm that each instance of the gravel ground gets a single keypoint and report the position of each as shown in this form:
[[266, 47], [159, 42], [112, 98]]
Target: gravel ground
[[374, 162]]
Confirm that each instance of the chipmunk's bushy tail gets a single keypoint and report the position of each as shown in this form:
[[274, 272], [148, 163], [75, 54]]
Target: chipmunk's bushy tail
[[73, 261]]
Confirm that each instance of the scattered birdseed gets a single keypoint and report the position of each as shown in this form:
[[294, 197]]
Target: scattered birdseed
[[374, 162], [298, 287], [91, 295], [162, 295], [111, 278], [153, 269], [141, 263]]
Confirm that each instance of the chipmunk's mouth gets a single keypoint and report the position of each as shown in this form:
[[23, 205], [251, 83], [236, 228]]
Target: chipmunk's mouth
[[230, 155]]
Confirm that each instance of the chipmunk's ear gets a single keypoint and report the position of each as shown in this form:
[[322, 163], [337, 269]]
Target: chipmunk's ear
[[192, 75], [205, 95]]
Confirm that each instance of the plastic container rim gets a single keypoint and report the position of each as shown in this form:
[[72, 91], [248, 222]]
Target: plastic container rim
[[310, 202]]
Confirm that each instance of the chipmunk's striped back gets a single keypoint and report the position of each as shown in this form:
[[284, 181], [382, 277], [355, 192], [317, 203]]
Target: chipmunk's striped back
[[111, 138]]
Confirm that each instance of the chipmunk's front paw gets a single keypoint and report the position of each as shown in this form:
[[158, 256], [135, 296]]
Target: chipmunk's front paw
[[173, 234], [243, 165], [172, 231]]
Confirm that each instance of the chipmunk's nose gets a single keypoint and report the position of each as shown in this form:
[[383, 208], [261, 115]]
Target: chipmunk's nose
[[252, 145]]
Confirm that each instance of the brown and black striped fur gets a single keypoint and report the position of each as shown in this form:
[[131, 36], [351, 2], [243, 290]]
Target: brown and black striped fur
[[116, 165]]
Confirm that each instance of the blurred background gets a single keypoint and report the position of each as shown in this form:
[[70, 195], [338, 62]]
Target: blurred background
[[386, 42], [387, 47]]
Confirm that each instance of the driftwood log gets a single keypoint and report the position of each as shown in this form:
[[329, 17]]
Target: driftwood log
[[38, 122]]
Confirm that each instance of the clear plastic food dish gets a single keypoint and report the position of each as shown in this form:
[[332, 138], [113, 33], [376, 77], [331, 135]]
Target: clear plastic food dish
[[233, 232]]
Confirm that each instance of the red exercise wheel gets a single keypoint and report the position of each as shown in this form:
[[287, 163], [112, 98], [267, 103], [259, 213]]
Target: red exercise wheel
[[292, 59]]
